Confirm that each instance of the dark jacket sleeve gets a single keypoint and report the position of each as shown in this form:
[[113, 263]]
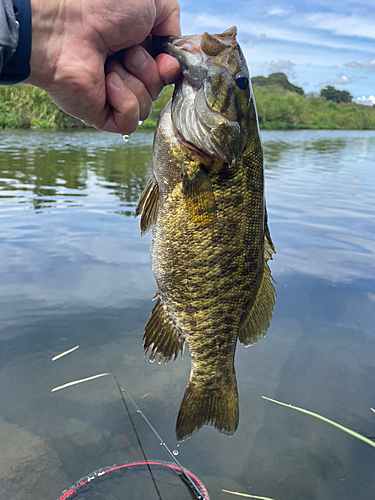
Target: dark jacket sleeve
[[8, 31]]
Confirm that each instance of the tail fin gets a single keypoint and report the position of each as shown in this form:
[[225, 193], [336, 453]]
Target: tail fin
[[202, 405]]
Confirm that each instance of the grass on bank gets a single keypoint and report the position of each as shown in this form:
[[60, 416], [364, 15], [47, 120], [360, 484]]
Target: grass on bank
[[24, 106]]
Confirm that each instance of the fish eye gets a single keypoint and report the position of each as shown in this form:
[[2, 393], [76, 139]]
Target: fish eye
[[242, 80]]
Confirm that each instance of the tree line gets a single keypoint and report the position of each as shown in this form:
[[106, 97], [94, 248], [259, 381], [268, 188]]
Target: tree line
[[280, 80], [280, 105]]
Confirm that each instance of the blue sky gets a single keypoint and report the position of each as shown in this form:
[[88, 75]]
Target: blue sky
[[316, 43]]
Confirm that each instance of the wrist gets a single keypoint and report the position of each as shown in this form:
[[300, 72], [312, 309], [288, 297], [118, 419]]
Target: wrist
[[47, 39]]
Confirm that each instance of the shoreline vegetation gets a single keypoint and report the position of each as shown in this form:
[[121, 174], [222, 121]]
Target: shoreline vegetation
[[280, 105]]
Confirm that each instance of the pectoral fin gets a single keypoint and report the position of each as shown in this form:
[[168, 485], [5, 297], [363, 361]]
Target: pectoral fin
[[199, 196], [147, 206], [160, 335], [257, 318]]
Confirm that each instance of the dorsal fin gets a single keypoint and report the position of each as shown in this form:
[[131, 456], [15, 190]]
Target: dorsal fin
[[229, 33], [269, 248], [212, 46], [257, 318]]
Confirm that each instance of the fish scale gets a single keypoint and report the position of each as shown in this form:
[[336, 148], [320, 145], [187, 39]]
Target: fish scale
[[210, 242]]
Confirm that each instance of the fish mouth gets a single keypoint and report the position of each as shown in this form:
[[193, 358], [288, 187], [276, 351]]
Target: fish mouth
[[187, 51]]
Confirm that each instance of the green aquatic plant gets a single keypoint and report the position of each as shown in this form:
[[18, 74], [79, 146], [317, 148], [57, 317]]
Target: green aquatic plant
[[331, 422], [246, 495], [315, 415]]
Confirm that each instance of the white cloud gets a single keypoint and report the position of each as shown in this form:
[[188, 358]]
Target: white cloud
[[367, 101], [369, 66], [301, 31], [260, 38], [344, 4], [340, 24], [340, 80], [281, 65], [343, 80], [276, 12]]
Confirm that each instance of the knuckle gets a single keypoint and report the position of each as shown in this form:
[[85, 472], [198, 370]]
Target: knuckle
[[177, 7]]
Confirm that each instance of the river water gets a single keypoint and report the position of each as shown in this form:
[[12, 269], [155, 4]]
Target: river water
[[75, 271]]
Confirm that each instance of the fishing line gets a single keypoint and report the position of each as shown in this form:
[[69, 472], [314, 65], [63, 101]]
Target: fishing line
[[185, 477], [134, 429]]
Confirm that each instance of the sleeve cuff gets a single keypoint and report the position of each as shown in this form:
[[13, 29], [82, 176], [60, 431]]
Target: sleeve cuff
[[17, 68]]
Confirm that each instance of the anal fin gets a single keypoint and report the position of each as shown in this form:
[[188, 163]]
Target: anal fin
[[147, 206], [161, 336], [256, 320]]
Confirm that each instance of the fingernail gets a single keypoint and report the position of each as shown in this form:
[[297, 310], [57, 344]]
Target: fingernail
[[121, 71], [139, 60], [116, 81]]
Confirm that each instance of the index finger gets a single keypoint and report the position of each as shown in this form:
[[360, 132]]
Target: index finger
[[167, 21]]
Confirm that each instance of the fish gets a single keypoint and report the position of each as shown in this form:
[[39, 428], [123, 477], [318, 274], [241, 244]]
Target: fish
[[210, 243]]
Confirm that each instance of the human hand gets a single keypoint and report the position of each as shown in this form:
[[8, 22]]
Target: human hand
[[72, 40]]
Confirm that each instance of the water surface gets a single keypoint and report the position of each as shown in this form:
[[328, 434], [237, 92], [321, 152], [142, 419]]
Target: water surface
[[74, 271]]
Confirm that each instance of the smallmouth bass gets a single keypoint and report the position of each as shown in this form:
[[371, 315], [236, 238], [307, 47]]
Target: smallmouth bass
[[210, 241]]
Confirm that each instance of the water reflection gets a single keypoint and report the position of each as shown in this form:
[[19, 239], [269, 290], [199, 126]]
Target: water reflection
[[75, 271], [41, 174]]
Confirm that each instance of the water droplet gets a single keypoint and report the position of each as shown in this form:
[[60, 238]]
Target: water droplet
[[161, 444], [152, 360], [177, 445], [126, 137], [175, 452], [160, 362]]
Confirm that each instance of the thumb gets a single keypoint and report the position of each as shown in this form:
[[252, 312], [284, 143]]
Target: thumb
[[167, 21]]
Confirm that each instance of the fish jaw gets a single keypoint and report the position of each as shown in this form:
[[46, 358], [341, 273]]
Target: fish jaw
[[192, 51], [187, 51]]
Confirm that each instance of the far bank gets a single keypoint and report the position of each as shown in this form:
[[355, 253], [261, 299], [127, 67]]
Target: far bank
[[280, 107]]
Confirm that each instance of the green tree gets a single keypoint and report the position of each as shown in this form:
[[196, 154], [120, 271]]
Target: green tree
[[277, 80], [332, 94]]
